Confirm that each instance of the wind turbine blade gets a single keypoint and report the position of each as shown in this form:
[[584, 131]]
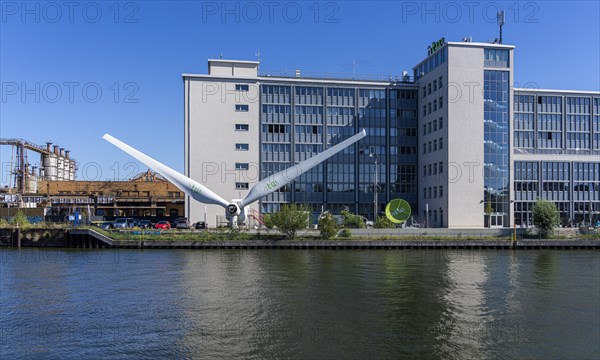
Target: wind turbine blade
[[276, 181], [189, 186]]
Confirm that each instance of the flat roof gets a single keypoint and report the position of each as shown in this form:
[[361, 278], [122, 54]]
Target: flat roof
[[558, 91], [300, 80], [234, 61]]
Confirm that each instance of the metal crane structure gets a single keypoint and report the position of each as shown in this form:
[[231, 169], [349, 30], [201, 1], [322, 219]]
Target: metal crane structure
[[55, 164]]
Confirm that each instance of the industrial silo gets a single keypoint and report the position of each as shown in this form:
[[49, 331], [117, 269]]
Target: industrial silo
[[60, 166]]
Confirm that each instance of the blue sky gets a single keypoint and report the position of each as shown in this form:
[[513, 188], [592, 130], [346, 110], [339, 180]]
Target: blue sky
[[71, 72]]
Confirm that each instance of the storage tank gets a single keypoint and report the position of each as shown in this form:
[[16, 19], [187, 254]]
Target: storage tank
[[73, 169], [67, 166], [50, 164], [60, 168], [31, 182]]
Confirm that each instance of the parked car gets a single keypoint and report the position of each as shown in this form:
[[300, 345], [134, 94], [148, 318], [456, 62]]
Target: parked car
[[164, 225], [182, 224], [123, 223], [145, 224], [107, 225], [200, 225]]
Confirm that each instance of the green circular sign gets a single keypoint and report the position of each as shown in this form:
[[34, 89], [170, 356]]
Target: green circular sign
[[397, 211]]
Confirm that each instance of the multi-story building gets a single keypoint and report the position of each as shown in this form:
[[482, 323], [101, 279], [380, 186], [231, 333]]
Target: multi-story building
[[446, 140]]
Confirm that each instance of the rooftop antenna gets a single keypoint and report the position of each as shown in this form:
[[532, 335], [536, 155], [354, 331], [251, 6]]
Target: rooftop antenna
[[500, 20], [354, 66]]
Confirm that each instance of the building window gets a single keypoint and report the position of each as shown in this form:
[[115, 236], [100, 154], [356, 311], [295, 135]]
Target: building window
[[434, 145], [276, 129], [424, 110], [242, 166], [441, 123], [428, 88], [241, 108], [241, 186], [434, 105], [424, 170], [441, 143], [429, 108], [241, 127], [441, 102], [242, 87], [429, 127], [424, 91], [434, 86], [242, 147], [441, 167], [424, 129], [440, 83], [441, 191]]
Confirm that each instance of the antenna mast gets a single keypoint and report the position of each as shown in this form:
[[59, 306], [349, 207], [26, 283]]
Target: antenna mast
[[500, 20]]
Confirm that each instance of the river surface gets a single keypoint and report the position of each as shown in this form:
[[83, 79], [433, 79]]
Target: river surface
[[296, 304]]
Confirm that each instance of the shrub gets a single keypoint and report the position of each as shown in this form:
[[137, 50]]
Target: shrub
[[20, 219], [345, 233], [545, 216], [327, 226], [352, 221], [383, 222], [291, 218], [268, 221]]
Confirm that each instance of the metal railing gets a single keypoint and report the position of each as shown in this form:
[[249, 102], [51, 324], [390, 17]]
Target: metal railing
[[336, 76]]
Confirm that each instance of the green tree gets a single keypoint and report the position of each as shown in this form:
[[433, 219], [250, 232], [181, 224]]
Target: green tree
[[327, 226], [20, 219], [351, 220], [291, 218], [545, 216], [268, 221], [383, 222]]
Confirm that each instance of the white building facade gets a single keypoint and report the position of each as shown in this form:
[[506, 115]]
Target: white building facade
[[449, 140]]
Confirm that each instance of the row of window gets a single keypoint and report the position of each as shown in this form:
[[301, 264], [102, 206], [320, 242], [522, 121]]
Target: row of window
[[434, 61], [437, 104], [433, 169], [434, 145], [496, 57], [433, 86], [433, 192], [435, 125]]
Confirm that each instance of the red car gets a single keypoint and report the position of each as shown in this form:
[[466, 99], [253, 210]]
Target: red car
[[165, 225]]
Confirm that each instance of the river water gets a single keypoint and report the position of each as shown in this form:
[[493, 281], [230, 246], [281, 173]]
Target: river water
[[313, 304]]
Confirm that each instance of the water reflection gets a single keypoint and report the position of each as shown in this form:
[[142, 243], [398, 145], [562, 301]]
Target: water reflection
[[299, 304]]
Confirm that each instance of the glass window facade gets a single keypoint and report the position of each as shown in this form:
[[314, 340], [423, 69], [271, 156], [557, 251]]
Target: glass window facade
[[496, 142]]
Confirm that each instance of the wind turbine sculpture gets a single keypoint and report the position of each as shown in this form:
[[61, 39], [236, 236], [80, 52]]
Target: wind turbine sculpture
[[235, 210]]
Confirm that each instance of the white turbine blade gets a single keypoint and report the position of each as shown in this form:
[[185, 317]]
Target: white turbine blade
[[276, 181], [189, 186]]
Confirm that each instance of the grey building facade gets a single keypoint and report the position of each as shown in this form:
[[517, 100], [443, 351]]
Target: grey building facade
[[455, 140]]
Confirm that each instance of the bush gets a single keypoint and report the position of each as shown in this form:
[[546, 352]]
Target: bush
[[291, 218], [268, 221], [19, 219], [383, 222], [352, 221], [327, 226], [545, 216], [345, 233]]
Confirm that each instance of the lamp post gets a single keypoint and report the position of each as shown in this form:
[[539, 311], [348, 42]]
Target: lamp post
[[374, 155]]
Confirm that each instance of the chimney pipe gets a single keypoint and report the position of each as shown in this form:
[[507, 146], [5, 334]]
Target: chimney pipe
[[48, 146], [56, 149], [67, 153], [62, 153]]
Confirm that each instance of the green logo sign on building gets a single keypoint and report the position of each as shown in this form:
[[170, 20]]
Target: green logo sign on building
[[397, 211]]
